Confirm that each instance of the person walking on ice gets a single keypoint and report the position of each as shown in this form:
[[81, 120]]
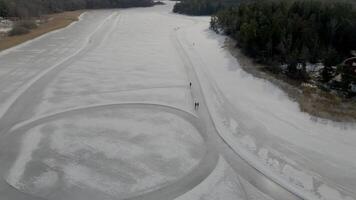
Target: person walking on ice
[[190, 84], [196, 105]]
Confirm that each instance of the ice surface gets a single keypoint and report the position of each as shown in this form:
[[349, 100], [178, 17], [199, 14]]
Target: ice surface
[[222, 183], [112, 116]]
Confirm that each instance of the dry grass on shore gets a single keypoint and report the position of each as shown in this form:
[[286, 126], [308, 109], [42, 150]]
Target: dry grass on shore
[[314, 101], [326, 105], [55, 21]]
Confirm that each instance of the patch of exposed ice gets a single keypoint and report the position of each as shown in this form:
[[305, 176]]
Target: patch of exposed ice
[[248, 142], [221, 184], [84, 177], [298, 177], [263, 154], [46, 179], [234, 126], [329, 193]]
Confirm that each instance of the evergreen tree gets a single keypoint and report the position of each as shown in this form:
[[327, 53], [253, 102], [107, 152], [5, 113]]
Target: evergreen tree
[[3, 9], [292, 33], [31, 8]]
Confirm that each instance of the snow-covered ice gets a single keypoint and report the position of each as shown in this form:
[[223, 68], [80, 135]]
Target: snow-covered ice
[[103, 110]]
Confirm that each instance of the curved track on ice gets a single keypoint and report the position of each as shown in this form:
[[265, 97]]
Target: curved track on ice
[[169, 191]]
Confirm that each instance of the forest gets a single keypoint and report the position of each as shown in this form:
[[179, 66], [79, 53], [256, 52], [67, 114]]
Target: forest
[[33, 8], [292, 33], [203, 7]]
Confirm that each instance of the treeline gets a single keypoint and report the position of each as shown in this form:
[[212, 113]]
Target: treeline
[[294, 33], [203, 7], [31, 8]]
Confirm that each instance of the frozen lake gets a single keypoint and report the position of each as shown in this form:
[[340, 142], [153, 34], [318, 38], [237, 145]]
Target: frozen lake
[[103, 110]]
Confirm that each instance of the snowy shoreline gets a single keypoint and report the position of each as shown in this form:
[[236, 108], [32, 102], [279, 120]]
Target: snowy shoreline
[[309, 99], [266, 128]]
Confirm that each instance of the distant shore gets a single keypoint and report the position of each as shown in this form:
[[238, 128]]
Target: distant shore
[[311, 100], [54, 22]]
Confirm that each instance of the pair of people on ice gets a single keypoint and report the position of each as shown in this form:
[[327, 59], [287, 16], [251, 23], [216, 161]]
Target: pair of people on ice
[[196, 103]]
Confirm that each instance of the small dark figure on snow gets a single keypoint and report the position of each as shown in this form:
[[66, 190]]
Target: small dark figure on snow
[[196, 105]]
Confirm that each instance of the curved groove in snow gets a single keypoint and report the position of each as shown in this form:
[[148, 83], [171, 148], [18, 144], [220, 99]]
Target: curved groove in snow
[[171, 190]]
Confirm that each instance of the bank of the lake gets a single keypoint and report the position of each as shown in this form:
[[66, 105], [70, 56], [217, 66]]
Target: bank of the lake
[[312, 100], [52, 22]]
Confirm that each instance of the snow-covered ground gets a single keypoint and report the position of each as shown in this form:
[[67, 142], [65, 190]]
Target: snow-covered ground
[[5, 26], [103, 110], [4, 30]]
